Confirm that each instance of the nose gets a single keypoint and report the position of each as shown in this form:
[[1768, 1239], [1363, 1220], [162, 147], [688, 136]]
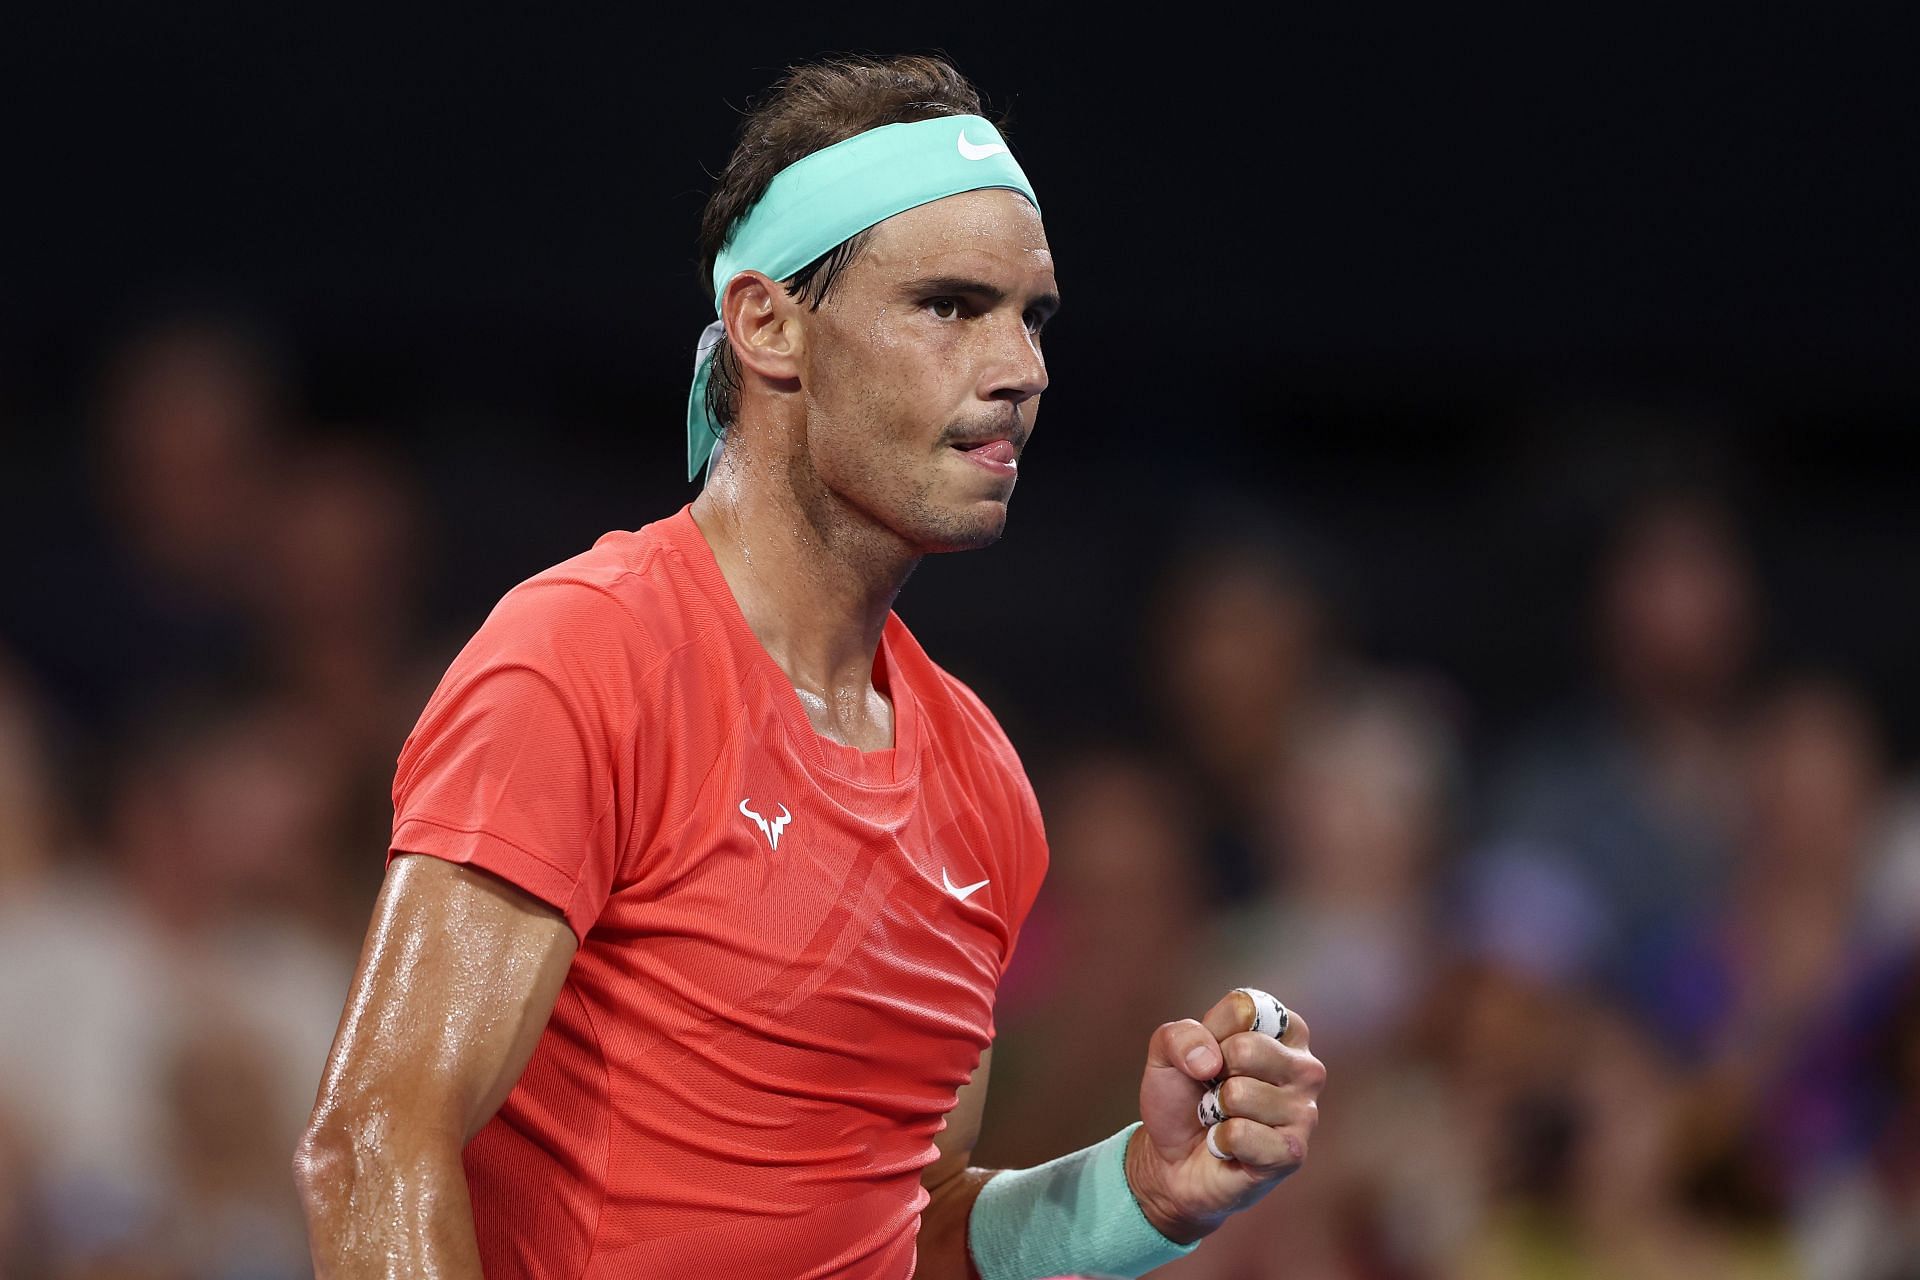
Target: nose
[[1016, 371]]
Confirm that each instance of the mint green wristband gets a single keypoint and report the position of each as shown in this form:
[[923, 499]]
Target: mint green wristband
[[1069, 1216]]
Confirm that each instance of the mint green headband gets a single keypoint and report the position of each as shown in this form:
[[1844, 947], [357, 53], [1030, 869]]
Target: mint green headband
[[827, 198]]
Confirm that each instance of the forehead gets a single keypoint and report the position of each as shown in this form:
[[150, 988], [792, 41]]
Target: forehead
[[989, 229]]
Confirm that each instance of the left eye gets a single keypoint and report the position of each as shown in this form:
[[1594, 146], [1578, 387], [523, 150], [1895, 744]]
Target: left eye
[[945, 308]]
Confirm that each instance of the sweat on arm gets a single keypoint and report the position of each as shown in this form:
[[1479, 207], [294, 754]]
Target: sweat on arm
[[459, 975]]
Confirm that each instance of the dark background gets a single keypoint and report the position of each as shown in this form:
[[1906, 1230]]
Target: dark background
[[1442, 286]]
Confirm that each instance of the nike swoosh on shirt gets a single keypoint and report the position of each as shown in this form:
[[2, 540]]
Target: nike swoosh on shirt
[[962, 892], [979, 151]]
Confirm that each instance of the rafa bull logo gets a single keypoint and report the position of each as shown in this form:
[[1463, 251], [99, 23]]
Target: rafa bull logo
[[770, 828]]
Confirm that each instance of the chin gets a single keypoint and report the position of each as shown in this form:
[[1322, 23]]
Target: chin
[[961, 528]]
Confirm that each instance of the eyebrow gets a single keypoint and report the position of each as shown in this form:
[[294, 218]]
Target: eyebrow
[[1045, 303]]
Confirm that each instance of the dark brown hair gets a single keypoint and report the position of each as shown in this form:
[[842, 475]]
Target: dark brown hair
[[811, 107]]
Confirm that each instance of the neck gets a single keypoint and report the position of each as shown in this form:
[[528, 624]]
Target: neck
[[813, 577]]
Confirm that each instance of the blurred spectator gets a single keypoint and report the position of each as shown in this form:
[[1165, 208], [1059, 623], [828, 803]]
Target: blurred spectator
[[20, 1251], [35, 991], [188, 429], [1610, 828], [231, 618], [1778, 951], [1359, 815], [1109, 948], [83, 998], [141, 582], [340, 600], [1893, 875], [1763, 995], [200, 909], [233, 1218], [1862, 1221], [1237, 652], [1594, 1187], [225, 814], [339, 616], [29, 803]]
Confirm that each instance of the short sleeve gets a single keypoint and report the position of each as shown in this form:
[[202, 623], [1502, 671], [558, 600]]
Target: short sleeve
[[522, 762]]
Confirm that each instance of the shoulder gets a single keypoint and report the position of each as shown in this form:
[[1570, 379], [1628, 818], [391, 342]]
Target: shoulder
[[949, 706], [593, 631], [625, 597]]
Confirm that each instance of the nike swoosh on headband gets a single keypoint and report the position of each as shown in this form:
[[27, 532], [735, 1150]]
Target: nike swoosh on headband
[[978, 151]]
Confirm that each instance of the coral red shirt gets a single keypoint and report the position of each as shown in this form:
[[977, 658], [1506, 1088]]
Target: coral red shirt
[[788, 948]]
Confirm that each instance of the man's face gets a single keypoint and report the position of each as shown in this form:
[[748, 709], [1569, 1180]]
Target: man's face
[[922, 370]]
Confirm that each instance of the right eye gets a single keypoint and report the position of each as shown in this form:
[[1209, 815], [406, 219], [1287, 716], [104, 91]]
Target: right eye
[[944, 308]]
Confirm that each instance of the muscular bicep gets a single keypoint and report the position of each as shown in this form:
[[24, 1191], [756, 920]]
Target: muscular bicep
[[457, 979], [962, 1133]]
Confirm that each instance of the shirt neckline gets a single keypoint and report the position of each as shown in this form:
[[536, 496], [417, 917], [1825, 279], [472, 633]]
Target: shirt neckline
[[888, 766]]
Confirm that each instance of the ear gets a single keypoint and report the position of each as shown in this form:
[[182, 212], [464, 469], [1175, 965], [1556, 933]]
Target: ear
[[763, 326]]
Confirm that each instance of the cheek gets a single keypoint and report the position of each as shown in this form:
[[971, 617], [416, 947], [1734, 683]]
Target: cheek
[[912, 355], [891, 374], [886, 330], [891, 379]]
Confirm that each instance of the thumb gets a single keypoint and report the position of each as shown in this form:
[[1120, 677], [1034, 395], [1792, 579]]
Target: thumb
[[1182, 1058]]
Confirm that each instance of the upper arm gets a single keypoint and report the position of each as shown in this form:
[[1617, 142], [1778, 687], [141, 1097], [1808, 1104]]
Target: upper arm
[[458, 976], [962, 1132]]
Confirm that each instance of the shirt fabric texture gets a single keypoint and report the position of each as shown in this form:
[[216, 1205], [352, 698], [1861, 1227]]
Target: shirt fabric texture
[[777, 991]]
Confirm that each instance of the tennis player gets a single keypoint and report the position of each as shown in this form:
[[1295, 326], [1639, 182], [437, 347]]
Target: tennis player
[[703, 875]]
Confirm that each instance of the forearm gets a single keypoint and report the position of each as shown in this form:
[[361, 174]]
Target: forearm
[[386, 1206], [943, 1227], [1070, 1215]]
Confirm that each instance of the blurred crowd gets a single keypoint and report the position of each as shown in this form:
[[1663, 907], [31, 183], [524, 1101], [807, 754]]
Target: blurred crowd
[[1635, 993], [1635, 996]]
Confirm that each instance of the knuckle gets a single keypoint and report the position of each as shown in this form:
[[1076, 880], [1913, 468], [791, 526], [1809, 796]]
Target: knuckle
[[1266, 1150], [1171, 1033], [1312, 1073], [1242, 1052], [1235, 1138]]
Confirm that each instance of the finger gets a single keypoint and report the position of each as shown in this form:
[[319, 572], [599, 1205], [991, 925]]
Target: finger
[[1264, 1058], [1232, 1014], [1270, 1017], [1188, 1047], [1257, 1100], [1262, 1148], [1251, 1009]]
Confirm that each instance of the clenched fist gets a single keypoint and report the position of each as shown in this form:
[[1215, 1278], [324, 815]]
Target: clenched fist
[[1269, 1089]]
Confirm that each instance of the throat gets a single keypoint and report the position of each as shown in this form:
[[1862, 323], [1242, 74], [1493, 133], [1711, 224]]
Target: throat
[[861, 719]]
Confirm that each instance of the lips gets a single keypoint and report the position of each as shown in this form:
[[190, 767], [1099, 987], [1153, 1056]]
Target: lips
[[996, 455], [1000, 451]]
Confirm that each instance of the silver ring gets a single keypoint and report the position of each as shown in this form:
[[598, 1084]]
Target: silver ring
[[1270, 1017]]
